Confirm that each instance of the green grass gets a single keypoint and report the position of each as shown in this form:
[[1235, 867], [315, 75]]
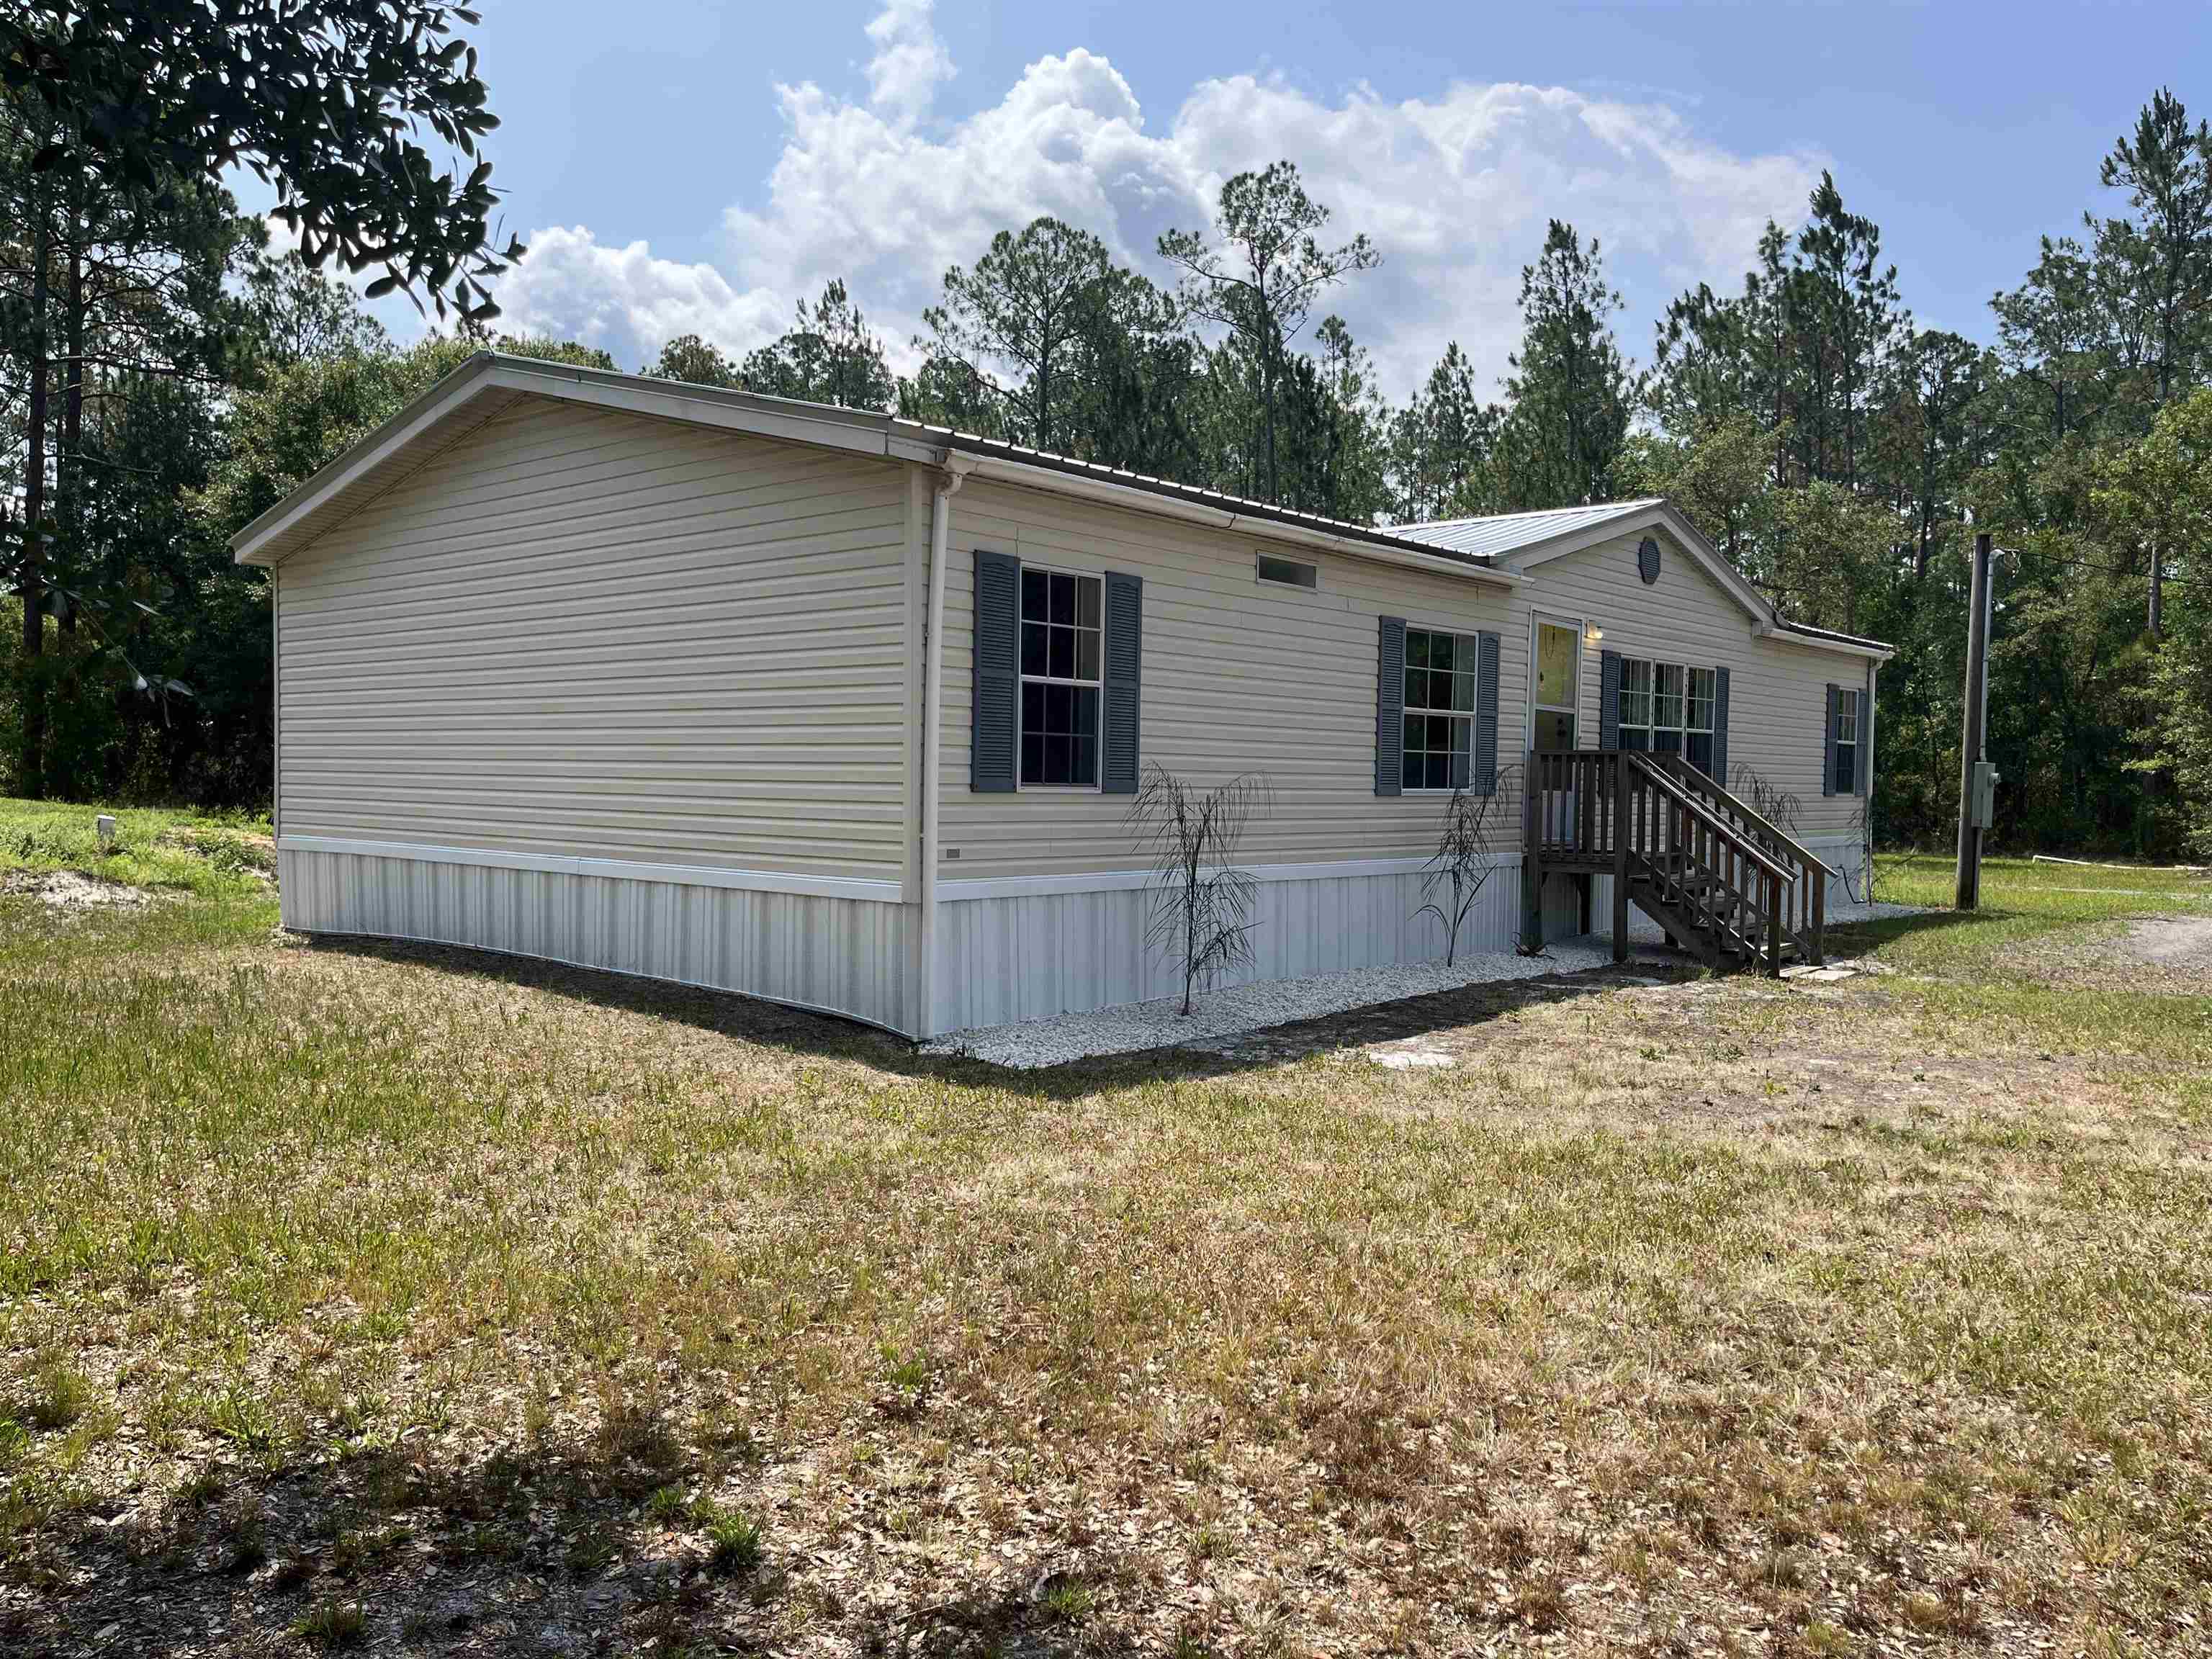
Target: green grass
[[2026, 967], [2021, 902], [1873, 1313], [210, 854], [734, 1543]]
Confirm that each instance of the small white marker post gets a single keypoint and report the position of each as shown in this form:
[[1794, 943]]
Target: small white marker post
[[104, 827]]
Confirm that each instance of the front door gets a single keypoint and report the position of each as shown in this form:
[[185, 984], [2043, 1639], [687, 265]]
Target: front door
[[1554, 687]]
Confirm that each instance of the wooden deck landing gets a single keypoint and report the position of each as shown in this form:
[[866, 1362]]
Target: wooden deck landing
[[1728, 886]]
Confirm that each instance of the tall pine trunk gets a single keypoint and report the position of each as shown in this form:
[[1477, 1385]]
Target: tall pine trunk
[[1267, 402], [69, 467], [30, 779]]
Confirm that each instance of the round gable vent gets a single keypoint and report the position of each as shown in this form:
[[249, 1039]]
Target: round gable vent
[[1647, 560]]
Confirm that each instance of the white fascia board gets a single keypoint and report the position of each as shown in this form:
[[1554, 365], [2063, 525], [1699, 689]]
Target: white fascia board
[[767, 418], [488, 373], [1660, 515], [441, 400], [1052, 481], [1787, 636], [1666, 516], [696, 408]]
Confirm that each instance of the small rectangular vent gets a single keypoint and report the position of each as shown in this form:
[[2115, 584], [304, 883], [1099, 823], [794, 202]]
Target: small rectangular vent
[[1290, 573]]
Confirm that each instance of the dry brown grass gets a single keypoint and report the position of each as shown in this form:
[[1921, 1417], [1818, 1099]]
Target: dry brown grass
[[504, 1304]]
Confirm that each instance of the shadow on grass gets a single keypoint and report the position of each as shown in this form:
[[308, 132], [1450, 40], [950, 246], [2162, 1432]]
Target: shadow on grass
[[1852, 939], [795, 1031], [560, 1552]]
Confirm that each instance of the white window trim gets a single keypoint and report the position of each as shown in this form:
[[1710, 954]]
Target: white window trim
[[1848, 697], [1651, 726], [1473, 713], [1096, 785]]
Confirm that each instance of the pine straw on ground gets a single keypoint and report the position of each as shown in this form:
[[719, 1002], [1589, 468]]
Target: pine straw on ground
[[413, 1301]]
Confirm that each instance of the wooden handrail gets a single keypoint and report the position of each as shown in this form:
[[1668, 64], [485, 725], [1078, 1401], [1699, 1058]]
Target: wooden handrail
[[1699, 781], [1711, 820], [1644, 816]]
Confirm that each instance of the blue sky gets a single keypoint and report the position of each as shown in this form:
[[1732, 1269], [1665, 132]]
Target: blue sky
[[684, 165]]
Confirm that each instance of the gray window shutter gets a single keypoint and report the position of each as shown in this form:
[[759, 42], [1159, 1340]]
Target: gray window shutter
[[1608, 699], [1125, 658], [1828, 752], [1720, 726], [1389, 705], [1484, 781], [1866, 735], [992, 743]]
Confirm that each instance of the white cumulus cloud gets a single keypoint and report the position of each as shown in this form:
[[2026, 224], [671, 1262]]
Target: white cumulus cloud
[[909, 61], [1455, 188], [627, 301]]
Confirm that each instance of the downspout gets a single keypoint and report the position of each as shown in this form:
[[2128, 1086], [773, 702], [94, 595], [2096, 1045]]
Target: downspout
[[949, 477], [1866, 813]]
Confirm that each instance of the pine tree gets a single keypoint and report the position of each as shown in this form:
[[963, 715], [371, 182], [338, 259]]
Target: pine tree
[[1443, 445], [831, 356], [1571, 390], [1259, 276]]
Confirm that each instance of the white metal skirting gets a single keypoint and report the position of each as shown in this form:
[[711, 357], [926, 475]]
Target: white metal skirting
[[1029, 955], [1004, 957], [842, 956]]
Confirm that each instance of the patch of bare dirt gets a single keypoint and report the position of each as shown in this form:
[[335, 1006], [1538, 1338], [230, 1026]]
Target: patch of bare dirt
[[2169, 956], [1666, 1049], [68, 890], [2176, 942]]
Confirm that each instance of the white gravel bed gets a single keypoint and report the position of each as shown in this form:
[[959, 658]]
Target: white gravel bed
[[1133, 1027], [1874, 912]]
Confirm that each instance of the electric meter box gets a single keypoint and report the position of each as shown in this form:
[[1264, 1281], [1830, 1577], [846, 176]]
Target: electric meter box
[[1986, 795]]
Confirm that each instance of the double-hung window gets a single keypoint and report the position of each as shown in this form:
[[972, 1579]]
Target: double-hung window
[[1698, 736], [1060, 657], [1439, 714], [1667, 709], [1846, 779]]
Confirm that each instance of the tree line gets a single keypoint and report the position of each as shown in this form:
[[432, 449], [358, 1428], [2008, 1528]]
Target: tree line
[[166, 376]]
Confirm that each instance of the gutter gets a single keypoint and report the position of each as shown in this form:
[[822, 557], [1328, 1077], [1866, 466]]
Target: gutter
[[854, 431], [1798, 633], [953, 471], [1055, 481]]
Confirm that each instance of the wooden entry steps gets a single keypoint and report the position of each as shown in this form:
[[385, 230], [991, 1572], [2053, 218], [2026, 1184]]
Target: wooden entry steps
[[1729, 887]]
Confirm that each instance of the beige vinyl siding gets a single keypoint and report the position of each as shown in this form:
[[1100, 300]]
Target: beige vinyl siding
[[1239, 676], [1243, 675], [1778, 695], [581, 633]]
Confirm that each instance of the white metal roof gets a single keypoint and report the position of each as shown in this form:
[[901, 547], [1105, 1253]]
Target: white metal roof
[[1521, 541], [1506, 532]]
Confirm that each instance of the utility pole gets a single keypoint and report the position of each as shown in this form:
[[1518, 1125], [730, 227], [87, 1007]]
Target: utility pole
[[1971, 756]]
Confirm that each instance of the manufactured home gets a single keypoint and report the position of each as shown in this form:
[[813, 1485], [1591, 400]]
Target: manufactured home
[[847, 712]]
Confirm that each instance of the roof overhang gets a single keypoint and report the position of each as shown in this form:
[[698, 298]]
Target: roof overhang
[[490, 382], [1240, 520], [1766, 621], [487, 384]]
